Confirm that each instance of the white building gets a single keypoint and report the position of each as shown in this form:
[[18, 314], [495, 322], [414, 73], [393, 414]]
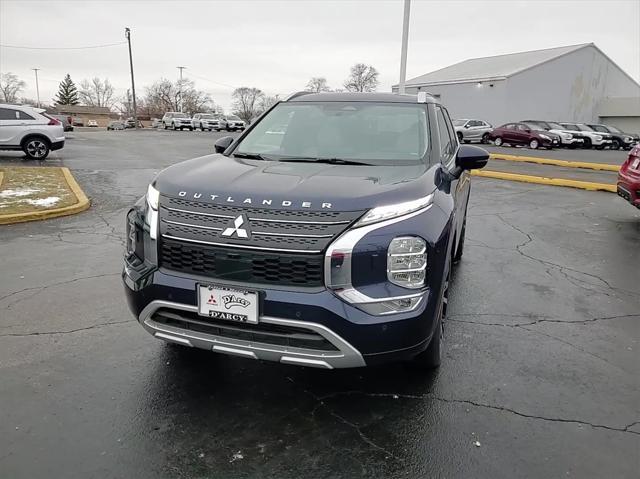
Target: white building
[[574, 83]]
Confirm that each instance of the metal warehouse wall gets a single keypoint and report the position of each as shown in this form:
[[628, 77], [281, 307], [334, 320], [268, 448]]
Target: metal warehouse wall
[[628, 124], [568, 88], [470, 100]]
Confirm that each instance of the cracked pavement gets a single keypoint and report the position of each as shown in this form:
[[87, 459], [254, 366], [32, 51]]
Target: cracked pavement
[[540, 378]]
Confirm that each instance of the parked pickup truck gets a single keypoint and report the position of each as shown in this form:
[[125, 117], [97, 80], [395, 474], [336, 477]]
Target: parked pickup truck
[[330, 244]]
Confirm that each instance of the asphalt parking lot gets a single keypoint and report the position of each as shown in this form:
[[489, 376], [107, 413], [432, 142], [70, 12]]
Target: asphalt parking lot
[[540, 377]]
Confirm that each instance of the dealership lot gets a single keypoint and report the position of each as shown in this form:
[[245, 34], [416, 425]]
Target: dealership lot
[[539, 379]]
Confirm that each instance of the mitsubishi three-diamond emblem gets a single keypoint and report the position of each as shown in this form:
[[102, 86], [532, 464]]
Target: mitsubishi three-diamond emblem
[[237, 228]]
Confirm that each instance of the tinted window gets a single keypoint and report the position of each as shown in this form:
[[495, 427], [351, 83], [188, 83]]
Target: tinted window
[[475, 123], [379, 133], [447, 145], [23, 116], [6, 114], [599, 128]]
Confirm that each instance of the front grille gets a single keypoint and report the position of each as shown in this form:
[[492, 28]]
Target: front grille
[[242, 265], [282, 247], [265, 333]]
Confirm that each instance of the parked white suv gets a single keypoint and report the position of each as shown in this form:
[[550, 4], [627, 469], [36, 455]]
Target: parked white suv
[[30, 130], [206, 121], [234, 123], [472, 130], [176, 121], [593, 138]]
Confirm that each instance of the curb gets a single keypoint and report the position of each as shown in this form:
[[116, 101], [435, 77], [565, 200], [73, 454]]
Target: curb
[[82, 204], [551, 161], [541, 180]]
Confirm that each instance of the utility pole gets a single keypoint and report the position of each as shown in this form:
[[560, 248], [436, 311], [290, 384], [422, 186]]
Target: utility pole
[[37, 86], [180, 87], [405, 41], [127, 34]]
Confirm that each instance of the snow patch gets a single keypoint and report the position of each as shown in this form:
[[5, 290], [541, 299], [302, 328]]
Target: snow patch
[[48, 201], [17, 193]]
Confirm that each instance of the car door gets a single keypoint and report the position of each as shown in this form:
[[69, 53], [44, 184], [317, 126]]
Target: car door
[[473, 130], [448, 150], [508, 133], [13, 124]]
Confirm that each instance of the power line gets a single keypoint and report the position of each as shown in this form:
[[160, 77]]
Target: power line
[[211, 81], [22, 47]]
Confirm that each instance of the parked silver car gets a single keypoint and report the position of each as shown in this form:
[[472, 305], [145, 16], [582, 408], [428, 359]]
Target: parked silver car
[[469, 130], [206, 121]]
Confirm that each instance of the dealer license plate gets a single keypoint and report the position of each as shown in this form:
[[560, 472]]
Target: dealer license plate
[[220, 302]]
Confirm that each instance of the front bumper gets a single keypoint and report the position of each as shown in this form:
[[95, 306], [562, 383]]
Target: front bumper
[[358, 338], [573, 142], [629, 189]]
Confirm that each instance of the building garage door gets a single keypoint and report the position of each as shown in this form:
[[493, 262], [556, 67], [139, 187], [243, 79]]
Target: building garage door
[[628, 124]]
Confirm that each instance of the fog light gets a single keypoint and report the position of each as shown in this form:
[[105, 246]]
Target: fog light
[[407, 261], [392, 306]]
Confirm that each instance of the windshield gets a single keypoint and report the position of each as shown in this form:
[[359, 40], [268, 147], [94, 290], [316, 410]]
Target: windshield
[[206, 115], [584, 128], [569, 126], [382, 133], [459, 122], [613, 129], [555, 126]]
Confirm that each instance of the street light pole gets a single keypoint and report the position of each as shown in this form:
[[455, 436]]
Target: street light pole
[[405, 41], [180, 87], [127, 34], [37, 86]]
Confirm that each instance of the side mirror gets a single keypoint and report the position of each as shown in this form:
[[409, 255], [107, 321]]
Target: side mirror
[[471, 157], [222, 144], [466, 126]]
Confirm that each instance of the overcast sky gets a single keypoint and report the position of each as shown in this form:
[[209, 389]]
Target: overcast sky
[[278, 45]]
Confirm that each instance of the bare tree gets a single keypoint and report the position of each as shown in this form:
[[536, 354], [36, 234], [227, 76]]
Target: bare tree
[[267, 102], [97, 93], [247, 102], [164, 95], [317, 84], [362, 78], [10, 86]]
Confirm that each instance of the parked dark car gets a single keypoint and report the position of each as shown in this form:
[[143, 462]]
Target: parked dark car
[[523, 134], [620, 139], [629, 178], [329, 244], [66, 120]]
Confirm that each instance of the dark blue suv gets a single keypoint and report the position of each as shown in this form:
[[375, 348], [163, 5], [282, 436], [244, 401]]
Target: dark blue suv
[[323, 236]]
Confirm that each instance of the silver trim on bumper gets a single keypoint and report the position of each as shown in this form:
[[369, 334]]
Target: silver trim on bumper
[[346, 356]]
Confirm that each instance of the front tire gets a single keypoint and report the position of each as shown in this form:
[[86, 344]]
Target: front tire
[[431, 358], [460, 137], [460, 250], [36, 148], [534, 144], [615, 145], [497, 141]]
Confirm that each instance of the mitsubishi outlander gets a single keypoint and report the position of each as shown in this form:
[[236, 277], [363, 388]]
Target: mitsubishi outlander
[[322, 236]]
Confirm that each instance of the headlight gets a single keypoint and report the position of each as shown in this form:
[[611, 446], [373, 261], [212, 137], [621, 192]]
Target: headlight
[[407, 261], [151, 218], [628, 139], [382, 213], [597, 137], [544, 137], [153, 197], [567, 136]]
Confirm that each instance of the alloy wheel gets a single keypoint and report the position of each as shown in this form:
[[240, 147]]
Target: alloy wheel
[[36, 148]]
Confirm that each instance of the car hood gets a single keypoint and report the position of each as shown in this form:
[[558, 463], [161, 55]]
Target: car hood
[[219, 179]]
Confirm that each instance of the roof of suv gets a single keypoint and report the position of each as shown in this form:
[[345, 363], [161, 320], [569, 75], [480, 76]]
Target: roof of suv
[[358, 97]]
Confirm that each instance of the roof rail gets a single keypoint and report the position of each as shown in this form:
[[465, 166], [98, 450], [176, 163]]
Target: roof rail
[[297, 94]]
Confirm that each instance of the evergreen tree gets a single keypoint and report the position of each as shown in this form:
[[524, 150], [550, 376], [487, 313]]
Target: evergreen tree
[[67, 92]]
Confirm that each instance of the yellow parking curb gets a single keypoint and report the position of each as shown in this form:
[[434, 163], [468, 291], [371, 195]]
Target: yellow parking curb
[[541, 180], [551, 161], [82, 204]]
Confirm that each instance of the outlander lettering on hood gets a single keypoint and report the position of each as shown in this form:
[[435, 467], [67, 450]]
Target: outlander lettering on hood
[[323, 236], [251, 201]]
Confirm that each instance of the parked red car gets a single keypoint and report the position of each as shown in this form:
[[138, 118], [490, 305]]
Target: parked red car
[[524, 134], [629, 178]]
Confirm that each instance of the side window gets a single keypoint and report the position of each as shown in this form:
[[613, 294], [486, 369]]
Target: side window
[[23, 116], [475, 123], [446, 139], [452, 131], [509, 126], [522, 127], [6, 114]]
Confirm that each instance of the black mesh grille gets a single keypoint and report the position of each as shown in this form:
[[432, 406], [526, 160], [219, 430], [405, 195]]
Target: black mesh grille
[[265, 333], [242, 265]]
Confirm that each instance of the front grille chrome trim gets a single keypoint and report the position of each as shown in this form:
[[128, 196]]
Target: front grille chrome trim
[[198, 213], [189, 225], [301, 222], [346, 355], [240, 246]]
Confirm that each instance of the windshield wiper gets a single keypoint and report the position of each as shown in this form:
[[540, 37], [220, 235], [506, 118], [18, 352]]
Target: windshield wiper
[[331, 161], [252, 156]]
